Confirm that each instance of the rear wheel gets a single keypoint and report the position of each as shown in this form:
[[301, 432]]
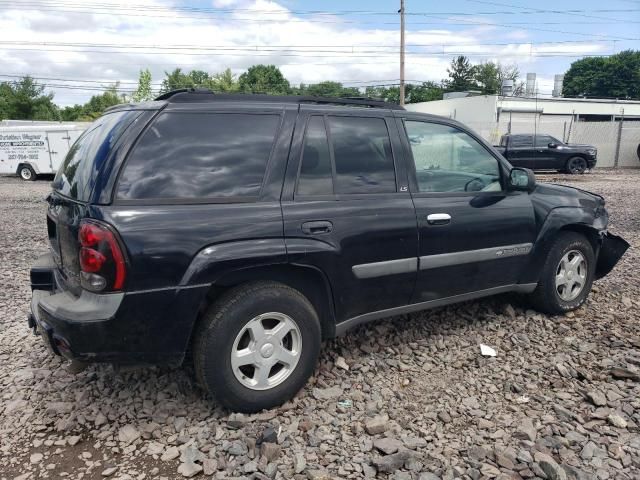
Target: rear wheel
[[567, 275], [576, 165], [27, 173], [257, 346]]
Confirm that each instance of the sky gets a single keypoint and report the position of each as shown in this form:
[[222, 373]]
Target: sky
[[77, 47]]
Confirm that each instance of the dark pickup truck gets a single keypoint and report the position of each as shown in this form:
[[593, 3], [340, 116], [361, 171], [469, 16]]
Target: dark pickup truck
[[544, 152]]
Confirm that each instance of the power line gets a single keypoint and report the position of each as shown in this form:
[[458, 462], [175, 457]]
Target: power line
[[571, 12], [222, 10], [276, 47], [346, 51], [344, 55], [170, 14], [494, 24]]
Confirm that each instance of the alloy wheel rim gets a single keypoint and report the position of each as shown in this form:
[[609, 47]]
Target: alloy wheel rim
[[266, 351], [571, 275], [577, 165], [26, 173]]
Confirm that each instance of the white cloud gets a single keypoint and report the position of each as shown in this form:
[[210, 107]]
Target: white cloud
[[225, 3], [307, 48]]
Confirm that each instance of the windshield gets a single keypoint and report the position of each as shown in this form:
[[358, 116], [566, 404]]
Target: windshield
[[85, 158]]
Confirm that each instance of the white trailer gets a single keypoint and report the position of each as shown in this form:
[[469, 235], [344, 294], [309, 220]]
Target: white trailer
[[31, 150]]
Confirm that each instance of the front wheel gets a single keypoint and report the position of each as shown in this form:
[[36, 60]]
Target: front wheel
[[257, 346], [566, 276], [27, 173], [576, 165]]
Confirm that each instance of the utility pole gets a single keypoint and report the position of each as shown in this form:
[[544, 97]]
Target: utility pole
[[401, 11]]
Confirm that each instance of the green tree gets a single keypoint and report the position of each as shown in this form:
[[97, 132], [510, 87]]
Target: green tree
[[71, 113], [264, 79], [490, 75], [144, 92], [617, 76], [327, 89], [199, 78], [219, 82], [413, 93], [176, 80], [97, 104], [6, 100], [487, 75], [461, 75], [224, 82], [425, 92], [25, 99]]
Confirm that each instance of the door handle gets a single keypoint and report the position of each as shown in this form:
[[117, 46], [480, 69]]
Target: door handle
[[438, 219], [315, 228]]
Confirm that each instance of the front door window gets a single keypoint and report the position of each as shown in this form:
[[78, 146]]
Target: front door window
[[450, 160]]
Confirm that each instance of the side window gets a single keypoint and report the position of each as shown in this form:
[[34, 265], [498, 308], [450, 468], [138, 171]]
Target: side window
[[362, 154], [200, 156], [449, 160], [522, 141], [543, 141], [315, 172]]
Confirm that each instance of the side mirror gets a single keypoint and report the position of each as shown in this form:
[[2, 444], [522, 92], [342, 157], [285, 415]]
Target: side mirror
[[552, 145], [522, 179]]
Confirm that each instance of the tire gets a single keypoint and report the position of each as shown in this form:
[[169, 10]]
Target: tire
[[576, 165], [27, 173], [553, 298], [232, 324]]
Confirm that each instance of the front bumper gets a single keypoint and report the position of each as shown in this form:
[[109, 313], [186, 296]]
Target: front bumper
[[148, 327], [611, 250]]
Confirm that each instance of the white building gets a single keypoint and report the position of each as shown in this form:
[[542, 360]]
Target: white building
[[613, 126]]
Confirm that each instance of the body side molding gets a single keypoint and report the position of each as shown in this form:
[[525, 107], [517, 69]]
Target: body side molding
[[471, 256], [388, 267], [440, 302]]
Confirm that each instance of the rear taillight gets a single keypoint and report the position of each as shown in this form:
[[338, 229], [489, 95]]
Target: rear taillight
[[102, 264]]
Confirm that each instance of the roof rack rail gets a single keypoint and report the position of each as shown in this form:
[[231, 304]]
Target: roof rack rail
[[188, 95]]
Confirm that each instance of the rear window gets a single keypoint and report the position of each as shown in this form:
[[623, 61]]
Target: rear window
[[200, 156], [85, 158], [521, 141]]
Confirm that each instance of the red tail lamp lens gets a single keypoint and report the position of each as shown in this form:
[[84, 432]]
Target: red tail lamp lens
[[101, 255], [91, 260], [90, 235]]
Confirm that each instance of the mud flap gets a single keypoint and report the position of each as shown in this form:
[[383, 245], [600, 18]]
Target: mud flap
[[612, 249]]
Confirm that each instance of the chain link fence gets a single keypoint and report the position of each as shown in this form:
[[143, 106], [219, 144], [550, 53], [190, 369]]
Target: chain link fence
[[617, 140]]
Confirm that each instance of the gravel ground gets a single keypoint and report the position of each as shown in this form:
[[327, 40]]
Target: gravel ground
[[406, 398]]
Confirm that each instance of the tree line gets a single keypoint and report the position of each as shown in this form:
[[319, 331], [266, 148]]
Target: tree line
[[615, 76]]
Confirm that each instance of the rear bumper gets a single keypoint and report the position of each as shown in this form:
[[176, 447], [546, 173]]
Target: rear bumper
[[149, 327]]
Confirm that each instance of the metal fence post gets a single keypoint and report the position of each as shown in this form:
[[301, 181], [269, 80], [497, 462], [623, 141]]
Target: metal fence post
[[619, 139]]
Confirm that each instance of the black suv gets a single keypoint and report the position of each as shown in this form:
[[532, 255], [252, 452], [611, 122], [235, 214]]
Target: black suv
[[247, 229], [544, 152]]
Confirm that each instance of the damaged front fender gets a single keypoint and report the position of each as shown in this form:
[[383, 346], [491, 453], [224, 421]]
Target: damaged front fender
[[611, 250]]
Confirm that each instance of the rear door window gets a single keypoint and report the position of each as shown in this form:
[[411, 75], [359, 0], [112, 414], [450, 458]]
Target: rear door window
[[315, 172], [200, 156], [86, 156], [362, 155]]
